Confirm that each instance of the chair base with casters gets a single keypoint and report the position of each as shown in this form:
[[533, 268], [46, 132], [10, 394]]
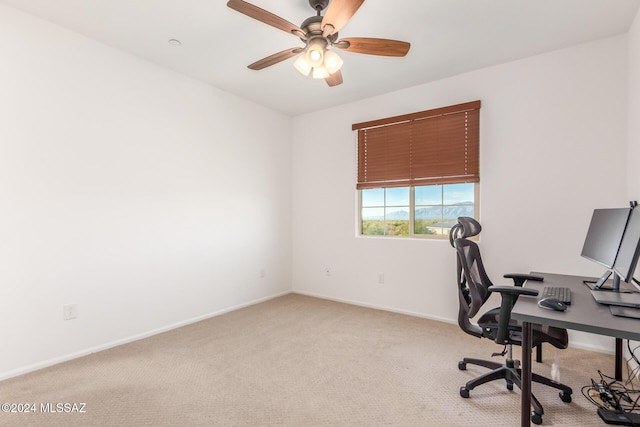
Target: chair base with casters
[[511, 374]]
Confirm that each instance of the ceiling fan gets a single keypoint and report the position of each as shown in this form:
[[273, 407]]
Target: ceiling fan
[[320, 33]]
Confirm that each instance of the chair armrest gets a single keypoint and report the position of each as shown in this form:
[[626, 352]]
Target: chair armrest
[[513, 290], [509, 296], [519, 279]]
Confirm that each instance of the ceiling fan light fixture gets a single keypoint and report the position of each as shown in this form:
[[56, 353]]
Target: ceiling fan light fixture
[[302, 65], [315, 51], [332, 61], [320, 72], [315, 55]]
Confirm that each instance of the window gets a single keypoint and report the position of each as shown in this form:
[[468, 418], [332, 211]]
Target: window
[[419, 172], [386, 211], [426, 210]]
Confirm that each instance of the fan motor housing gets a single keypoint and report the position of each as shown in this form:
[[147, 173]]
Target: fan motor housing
[[312, 27]]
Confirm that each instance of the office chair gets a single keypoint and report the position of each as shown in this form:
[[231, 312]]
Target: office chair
[[474, 288]]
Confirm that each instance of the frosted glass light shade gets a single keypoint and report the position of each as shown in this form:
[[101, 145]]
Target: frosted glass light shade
[[315, 52], [332, 62], [320, 73], [302, 65], [315, 55]]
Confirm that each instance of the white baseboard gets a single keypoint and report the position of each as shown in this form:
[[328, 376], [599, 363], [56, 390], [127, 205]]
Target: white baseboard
[[378, 307], [85, 352]]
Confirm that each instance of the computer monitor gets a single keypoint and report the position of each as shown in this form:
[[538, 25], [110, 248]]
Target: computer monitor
[[603, 240], [627, 259]]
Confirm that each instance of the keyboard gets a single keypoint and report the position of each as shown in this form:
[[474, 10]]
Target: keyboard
[[558, 292]]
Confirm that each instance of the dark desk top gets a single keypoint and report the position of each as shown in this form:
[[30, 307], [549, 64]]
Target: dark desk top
[[584, 313]]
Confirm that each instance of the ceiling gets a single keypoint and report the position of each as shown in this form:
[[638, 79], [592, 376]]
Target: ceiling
[[447, 37]]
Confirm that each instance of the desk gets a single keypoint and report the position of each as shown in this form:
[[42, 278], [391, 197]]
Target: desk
[[584, 314]]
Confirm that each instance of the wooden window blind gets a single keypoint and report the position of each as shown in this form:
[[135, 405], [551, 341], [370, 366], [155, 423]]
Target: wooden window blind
[[439, 146]]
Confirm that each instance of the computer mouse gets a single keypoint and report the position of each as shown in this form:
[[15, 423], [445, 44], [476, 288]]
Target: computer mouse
[[552, 304]]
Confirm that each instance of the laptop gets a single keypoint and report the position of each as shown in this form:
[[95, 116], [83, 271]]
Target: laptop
[[617, 298]]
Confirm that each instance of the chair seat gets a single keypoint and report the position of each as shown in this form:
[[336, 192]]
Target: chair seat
[[557, 337]]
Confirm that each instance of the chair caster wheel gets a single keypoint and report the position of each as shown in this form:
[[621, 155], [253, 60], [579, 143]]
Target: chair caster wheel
[[509, 385], [464, 392], [462, 366], [566, 397], [536, 418]]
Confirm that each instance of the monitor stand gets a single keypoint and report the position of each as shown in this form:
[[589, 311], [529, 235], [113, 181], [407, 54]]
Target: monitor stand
[[616, 281], [615, 285]]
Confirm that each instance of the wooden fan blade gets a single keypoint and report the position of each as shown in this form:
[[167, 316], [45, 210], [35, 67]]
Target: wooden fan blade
[[339, 13], [263, 16], [370, 46], [275, 58], [334, 79]]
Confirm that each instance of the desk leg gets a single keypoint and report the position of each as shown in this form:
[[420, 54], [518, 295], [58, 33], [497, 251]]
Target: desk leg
[[619, 359], [525, 400]]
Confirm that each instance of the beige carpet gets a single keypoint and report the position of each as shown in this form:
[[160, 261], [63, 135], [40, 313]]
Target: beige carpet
[[295, 361]]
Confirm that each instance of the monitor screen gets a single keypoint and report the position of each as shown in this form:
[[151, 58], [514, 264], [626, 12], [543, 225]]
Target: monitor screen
[[604, 235], [627, 259]]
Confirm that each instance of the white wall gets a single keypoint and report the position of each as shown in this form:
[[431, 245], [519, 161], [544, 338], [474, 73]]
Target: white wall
[[147, 198], [553, 148], [633, 158], [633, 137]]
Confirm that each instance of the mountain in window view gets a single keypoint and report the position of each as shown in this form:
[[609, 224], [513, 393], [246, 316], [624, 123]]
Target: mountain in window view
[[431, 212]]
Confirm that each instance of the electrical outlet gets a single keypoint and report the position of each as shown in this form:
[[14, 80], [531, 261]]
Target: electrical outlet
[[381, 278], [327, 271], [263, 273], [70, 311]]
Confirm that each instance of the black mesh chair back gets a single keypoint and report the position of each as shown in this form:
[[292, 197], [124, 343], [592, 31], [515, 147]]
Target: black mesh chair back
[[473, 281]]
